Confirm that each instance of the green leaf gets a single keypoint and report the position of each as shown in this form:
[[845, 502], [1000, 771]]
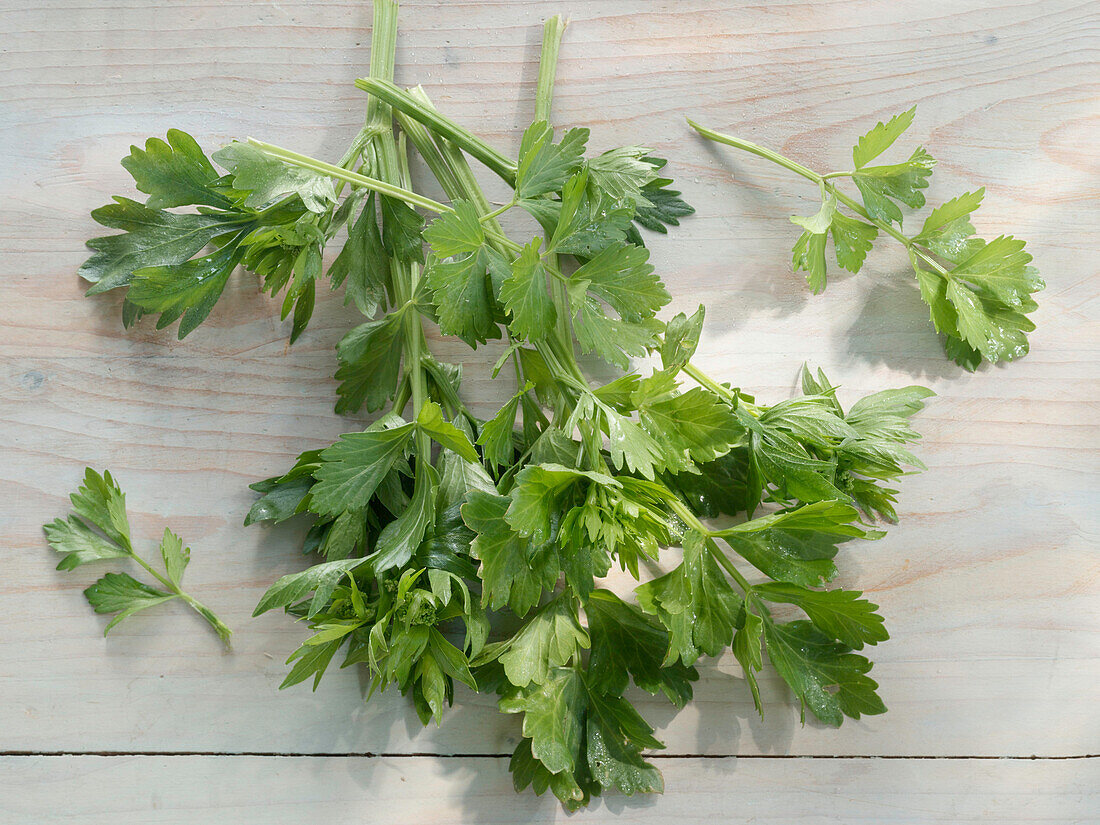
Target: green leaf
[[549, 639], [881, 138], [268, 180], [80, 543], [370, 364], [747, 642], [681, 339], [615, 341], [695, 602], [825, 675], [123, 594], [456, 233], [311, 659], [280, 500], [835, 518], [464, 294], [665, 208], [401, 228], [628, 643], [881, 186], [804, 558], [999, 271], [537, 494], [947, 231], [553, 717], [175, 556], [186, 291], [151, 238], [529, 772], [362, 264], [622, 173], [616, 737], [633, 447], [443, 432], [525, 295], [696, 422], [400, 539], [514, 570], [354, 466], [544, 166], [852, 240], [584, 222], [622, 275], [839, 614], [176, 173], [497, 434], [320, 579]]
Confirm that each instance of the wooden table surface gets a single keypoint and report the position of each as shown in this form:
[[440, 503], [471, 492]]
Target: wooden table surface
[[990, 583]]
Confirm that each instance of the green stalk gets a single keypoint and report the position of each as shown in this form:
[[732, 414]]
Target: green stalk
[[219, 626], [384, 90], [552, 33], [823, 183]]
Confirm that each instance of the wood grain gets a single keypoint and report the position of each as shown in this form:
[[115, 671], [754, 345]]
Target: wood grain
[[396, 791], [991, 583]]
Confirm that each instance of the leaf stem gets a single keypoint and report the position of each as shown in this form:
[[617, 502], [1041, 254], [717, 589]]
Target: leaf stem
[[821, 181], [464, 139], [219, 626], [689, 518]]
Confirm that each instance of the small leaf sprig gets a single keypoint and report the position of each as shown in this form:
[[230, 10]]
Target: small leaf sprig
[[98, 530], [979, 293]]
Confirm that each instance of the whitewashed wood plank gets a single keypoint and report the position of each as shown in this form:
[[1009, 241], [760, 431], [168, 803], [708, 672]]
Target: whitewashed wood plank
[[245, 790], [990, 583]]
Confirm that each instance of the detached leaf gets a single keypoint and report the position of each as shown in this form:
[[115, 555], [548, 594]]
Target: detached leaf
[[123, 594]]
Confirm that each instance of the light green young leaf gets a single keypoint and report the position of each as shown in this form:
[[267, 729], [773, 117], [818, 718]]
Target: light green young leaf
[[544, 166], [514, 570], [881, 138], [881, 186], [852, 240], [622, 275], [175, 556], [320, 579], [443, 432], [947, 230], [548, 640]]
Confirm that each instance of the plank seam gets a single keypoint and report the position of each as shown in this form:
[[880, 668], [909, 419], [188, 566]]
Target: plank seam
[[428, 755]]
